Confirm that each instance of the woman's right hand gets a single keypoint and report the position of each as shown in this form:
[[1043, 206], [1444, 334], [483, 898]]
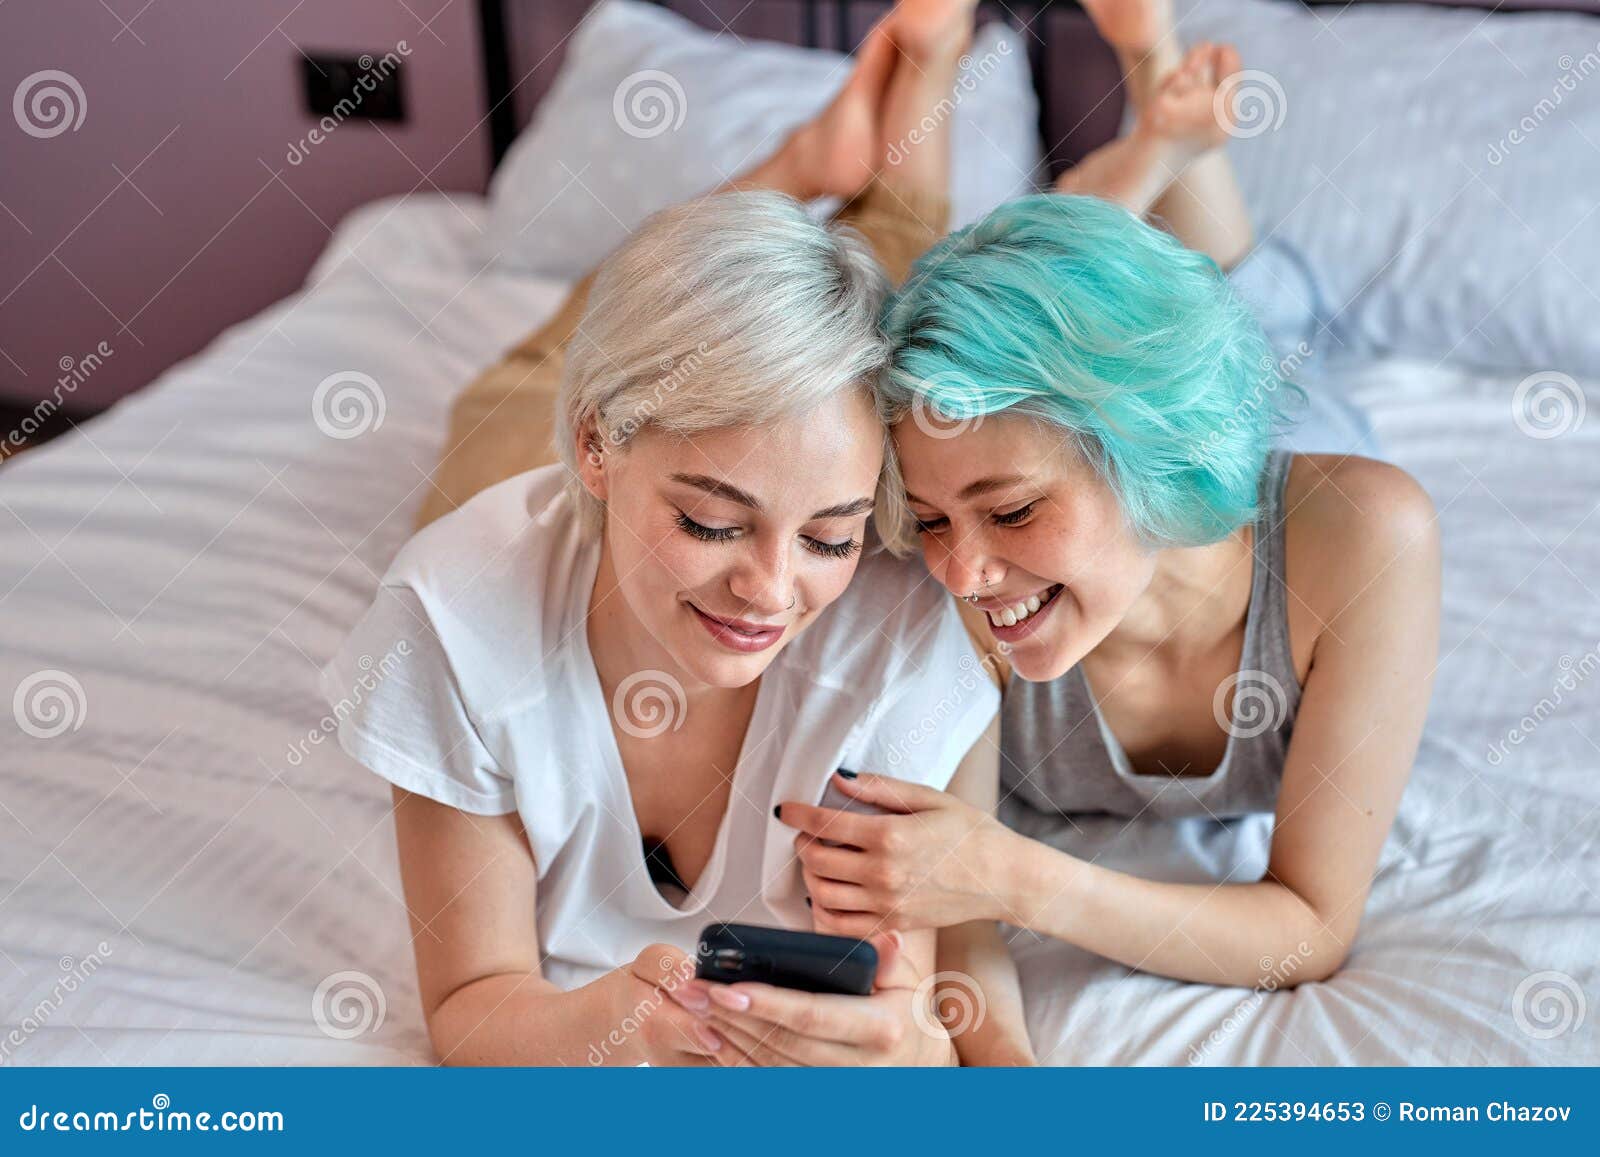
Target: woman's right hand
[[647, 1024]]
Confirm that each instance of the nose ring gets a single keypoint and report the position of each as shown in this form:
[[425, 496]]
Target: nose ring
[[793, 602]]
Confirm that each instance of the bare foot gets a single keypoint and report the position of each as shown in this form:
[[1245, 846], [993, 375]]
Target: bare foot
[[1131, 26], [932, 32], [1184, 111], [836, 153]]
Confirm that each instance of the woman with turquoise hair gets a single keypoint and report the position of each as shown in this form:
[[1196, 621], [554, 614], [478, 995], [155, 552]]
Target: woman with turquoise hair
[[1186, 620]]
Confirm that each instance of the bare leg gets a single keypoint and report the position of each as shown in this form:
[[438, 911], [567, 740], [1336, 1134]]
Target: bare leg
[[840, 150], [1202, 204]]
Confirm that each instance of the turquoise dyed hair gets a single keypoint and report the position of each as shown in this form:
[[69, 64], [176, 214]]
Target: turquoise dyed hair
[[1073, 311]]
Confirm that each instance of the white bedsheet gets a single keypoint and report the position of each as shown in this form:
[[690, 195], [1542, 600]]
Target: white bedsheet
[[193, 558]]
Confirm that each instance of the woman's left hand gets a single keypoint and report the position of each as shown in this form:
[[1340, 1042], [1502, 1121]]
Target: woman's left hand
[[781, 1027], [934, 862]]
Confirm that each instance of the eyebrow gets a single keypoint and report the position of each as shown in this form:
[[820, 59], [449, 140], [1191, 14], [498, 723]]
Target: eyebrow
[[974, 489], [720, 489]]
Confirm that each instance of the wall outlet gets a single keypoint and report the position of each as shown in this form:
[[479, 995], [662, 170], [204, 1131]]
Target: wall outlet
[[365, 87]]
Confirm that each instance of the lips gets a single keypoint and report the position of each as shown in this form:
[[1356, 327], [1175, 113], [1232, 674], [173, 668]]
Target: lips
[[739, 634], [1013, 621]]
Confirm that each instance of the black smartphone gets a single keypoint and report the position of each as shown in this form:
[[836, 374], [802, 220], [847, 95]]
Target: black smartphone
[[807, 961]]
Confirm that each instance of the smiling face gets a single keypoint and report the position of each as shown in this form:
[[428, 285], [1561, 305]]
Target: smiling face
[[726, 544], [1010, 508]]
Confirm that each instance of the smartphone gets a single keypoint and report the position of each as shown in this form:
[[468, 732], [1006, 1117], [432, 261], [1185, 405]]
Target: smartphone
[[807, 961]]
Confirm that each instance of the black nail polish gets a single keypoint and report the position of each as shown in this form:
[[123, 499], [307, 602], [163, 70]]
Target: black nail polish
[[846, 773], [777, 811]]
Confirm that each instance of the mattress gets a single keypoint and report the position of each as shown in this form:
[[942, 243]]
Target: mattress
[[190, 873]]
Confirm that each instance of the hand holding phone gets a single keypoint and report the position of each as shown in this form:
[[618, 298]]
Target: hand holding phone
[[805, 961]]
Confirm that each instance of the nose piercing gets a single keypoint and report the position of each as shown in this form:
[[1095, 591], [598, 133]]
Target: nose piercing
[[975, 595], [793, 602]]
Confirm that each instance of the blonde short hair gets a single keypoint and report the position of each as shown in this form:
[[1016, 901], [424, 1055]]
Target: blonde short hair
[[733, 310]]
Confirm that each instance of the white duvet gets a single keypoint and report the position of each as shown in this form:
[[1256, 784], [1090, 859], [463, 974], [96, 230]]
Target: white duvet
[[186, 878]]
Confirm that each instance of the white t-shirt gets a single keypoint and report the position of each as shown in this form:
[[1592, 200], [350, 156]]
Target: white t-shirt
[[469, 681]]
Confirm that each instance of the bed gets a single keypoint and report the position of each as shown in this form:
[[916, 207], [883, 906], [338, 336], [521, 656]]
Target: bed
[[191, 874]]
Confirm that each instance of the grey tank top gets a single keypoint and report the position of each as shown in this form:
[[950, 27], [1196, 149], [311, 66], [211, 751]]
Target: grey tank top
[[1058, 757]]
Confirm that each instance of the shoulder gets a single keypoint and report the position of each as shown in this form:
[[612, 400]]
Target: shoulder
[[1357, 527], [494, 580], [492, 521]]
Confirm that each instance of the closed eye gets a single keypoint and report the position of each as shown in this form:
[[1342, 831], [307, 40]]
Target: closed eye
[[705, 533], [931, 525], [1015, 517], [832, 549]]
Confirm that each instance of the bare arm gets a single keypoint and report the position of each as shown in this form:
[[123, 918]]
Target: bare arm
[[470, 885]]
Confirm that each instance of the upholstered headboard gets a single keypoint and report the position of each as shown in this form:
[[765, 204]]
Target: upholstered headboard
[[1075, 73]]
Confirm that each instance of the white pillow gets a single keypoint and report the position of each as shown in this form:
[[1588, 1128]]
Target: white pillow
[[1397, 173], [650, 110]]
